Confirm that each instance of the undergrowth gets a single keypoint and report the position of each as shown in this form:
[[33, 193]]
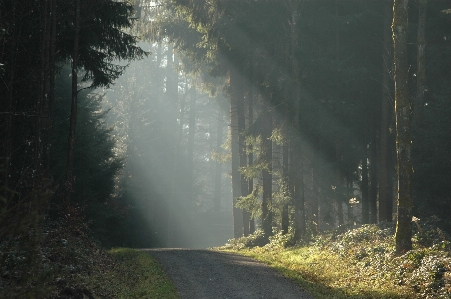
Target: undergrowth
[[360, 263], [74, 266]]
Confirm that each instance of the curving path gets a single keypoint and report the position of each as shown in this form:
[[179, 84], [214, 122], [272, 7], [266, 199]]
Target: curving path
[[205, 274]]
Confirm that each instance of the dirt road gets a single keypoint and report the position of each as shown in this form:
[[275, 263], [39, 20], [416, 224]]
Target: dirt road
[[204, 274]]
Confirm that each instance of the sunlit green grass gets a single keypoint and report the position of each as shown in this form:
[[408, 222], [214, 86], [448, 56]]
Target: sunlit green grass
[[136, 275], [325, 274], [142, 276], [359, 263]]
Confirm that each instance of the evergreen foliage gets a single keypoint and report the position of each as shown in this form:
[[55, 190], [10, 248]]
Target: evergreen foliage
[[103, 41], [37, 39], [309, 86], [339, 53], [97, 164]]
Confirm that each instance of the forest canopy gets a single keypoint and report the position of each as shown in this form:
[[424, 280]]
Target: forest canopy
[[185, 123]]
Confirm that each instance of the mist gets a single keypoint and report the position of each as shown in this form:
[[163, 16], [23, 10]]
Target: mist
[[167, 138], [174, 134], [234, 130], [141, 141]]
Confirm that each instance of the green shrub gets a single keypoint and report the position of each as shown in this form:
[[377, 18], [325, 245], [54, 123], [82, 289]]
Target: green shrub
[[251, 241]]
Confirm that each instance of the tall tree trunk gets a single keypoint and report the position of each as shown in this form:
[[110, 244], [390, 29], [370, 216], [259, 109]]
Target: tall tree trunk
[[173, 234], [73, 110], [298, 190], [297, 171], [364, 187], [385, 190], [403, 236], [338, 181], [421, 72], [218, 165], [372, 196], [315, 182], [285, 174], [234, 128], [250, 156], [292, 168], [211, 162], [181, 123], [191, 135], [11, 108], [52, 72], [338, 184], [266, 152], [242, 152], [297, 180], [286, 134], [43, 90], [348, 197]]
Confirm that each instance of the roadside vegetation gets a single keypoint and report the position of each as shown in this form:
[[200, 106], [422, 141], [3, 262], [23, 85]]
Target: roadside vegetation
[[359, 263], [72, 265]]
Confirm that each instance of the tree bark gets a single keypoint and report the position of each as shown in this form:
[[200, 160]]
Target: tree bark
[[43, 91], [11, 107], [266, 152], [234, 128], [403, 236], [242, 152], [250, 157], [372, 195], [385, 190], [364, 188], [297, 180], [338, 180], [421, 72], [218, 166], [316, 195], [338, 183], [298, 189], [285, 155], [191, 135], [349, 183], [173, 233], [52, 71], [73, 111]]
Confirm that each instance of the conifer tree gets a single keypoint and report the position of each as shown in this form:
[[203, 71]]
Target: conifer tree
[[403, 235]]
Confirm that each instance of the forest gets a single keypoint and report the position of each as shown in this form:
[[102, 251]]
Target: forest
[[195, 123]]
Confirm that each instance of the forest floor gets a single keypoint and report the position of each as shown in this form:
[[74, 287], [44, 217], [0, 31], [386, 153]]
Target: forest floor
[[355, 264], [65, 263], [359, 263]]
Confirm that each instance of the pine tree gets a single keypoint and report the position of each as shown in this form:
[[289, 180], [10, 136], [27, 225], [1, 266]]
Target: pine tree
[[403, 234]]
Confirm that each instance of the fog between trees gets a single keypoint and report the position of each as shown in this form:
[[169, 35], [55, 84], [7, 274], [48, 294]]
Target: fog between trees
[[245, 116], [305, 93]]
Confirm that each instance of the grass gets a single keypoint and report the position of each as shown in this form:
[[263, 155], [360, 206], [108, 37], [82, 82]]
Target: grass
[[121, 273], [139, 276], [324, 274], [71, 265], [360, 263], [354, 264]]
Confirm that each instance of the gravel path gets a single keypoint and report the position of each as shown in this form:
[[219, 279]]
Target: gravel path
[[204, 274]]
